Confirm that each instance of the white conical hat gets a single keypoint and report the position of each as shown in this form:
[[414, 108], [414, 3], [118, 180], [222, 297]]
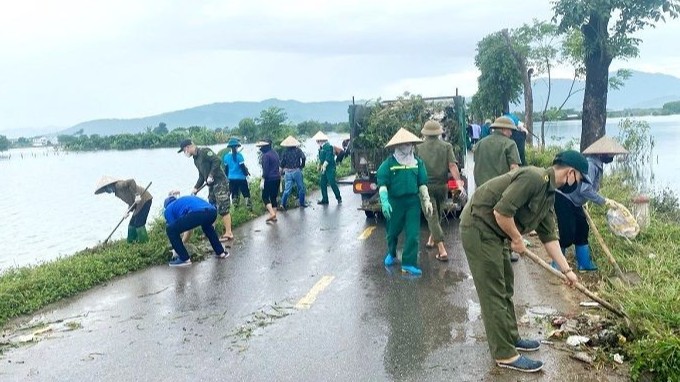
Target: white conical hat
[[320, 136], [605, 145], [103, 182], [290, 141], [403, 136]]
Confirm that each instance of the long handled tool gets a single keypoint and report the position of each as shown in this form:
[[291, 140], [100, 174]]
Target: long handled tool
[[604, 246], [577, 285], [132, 207]]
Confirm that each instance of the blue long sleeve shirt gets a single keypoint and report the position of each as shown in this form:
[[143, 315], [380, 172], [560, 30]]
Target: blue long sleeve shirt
[[183, 206], [588, 192]]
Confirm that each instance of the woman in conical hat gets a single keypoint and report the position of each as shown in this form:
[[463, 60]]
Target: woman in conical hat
[[402, 185], [571, 220], [134, 195]]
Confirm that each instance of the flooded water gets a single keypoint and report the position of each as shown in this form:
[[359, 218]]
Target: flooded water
[[49, 205], [50, 209]]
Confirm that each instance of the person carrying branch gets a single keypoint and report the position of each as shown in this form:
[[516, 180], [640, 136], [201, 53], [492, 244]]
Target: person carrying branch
[[402, 185], [503, 209], [133, 195]]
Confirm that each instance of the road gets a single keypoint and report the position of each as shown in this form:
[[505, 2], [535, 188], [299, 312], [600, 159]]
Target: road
[[303, 299]]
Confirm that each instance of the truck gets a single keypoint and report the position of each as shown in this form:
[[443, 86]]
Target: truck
[[371, 127]]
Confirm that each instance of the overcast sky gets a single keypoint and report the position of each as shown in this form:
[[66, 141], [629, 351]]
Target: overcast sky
[[64, 62]]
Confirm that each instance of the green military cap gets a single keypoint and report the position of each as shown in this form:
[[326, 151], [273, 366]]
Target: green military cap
[[575, 160]]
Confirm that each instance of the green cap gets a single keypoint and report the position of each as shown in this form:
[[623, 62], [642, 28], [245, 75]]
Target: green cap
[[575, 160]]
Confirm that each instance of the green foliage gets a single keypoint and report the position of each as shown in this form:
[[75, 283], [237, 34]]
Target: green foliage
[[146, 140], [541, 157], [500, 82], [161, 129], [672, 107], [635, 137], [4, 143]]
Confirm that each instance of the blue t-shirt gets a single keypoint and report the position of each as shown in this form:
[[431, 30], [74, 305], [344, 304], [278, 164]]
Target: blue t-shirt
[[234, 165], [185, 205]]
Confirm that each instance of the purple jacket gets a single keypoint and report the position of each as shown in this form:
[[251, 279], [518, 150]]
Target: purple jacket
[[270, 165]]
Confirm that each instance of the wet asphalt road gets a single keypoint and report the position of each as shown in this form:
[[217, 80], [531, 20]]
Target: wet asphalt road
[[303, 299]]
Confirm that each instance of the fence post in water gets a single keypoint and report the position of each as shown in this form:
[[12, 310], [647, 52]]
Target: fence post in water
[[641, 210]]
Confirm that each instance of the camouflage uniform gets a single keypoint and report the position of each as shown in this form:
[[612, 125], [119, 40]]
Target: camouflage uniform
[[209, 164]]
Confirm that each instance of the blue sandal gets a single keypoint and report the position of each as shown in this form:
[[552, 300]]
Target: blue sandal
[[523, 364]]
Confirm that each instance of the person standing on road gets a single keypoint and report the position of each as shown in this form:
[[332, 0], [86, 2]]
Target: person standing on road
[[134, 195], [486, 129], [210, 172], [326, 168], [571, 219], [476, 133], [271, 177], [439, 160], [402, 185], [236, 171], [519, 135], [184, 214], [292, 162], [503, 209]]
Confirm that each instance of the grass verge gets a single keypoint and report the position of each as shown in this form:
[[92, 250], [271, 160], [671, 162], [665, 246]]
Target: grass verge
[[27, 289]]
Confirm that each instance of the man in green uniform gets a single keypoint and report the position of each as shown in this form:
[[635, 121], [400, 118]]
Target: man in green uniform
[[402, 185], [326, 168], [503, 209], [210, 172], [134, 195], [439, 161], [496, 154]]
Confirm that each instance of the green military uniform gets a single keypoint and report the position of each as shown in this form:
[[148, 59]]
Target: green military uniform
[[327, 154], [402, 183], [528, 195], [493, 156], [209, 164], [436, 154]]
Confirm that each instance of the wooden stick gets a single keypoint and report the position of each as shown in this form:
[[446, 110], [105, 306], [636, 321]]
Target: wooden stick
[[605, 248], [577, 285], [132, 207]]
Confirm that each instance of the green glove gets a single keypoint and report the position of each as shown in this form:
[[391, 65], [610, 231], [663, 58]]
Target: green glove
[[385, 203]]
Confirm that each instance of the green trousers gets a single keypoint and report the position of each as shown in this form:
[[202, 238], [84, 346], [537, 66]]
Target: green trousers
[[494, 280], [405, 215], [328, 178], [437, 197]]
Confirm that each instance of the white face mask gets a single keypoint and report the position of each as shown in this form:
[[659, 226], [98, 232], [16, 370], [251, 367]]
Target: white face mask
[[187, 153]]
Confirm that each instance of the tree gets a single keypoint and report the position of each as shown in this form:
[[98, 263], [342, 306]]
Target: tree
[[668, 108], [161, 129], [4, 143], [603, 42], [309, 127], [500, 82], [248, 129], [520, 51]]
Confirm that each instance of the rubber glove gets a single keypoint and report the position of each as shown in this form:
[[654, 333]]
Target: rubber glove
[[425, 200], [209, 181], [138, 198], [323, 167], [385, 203], [194, 191]]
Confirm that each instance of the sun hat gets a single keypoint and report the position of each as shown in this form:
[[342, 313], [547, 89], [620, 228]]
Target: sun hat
[[320, 136], [575, 160], [431, 128], [263, 142], [487, 122], [103, 182], [503, 123], [183, 144], [403, 136], [233, 142], [290, 141], [605, 145]]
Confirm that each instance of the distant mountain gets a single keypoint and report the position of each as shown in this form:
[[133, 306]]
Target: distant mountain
[[30, 132], [641, 90], [218, 115]]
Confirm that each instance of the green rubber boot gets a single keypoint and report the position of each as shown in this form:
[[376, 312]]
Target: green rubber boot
[[132, 234], [142, 236]]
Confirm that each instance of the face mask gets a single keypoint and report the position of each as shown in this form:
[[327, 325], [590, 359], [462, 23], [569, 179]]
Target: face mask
[[569, 188], [606, 159], [187, 153]]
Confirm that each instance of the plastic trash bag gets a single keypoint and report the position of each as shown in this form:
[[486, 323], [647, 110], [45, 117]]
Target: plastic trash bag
[[621, 222]]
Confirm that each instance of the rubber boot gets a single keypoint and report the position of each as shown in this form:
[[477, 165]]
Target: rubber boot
[[142, 236], [554, 264], [132, 234], [583, 260]]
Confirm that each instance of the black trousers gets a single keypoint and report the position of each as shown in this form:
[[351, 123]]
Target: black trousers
[[571, 222], [271, 192], [239, 186], [139, 219]]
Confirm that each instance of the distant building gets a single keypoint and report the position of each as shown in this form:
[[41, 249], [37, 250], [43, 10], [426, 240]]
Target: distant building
[[41, 141]]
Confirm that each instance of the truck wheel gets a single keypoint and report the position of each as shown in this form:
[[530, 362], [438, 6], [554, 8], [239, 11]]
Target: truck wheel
[[370, 214]]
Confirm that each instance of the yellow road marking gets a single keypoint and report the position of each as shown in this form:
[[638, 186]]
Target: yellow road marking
[[367, 232], [307, 301]]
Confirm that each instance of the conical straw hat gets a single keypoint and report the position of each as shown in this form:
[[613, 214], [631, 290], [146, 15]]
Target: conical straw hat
[[605, 145], [320, 136], [290, 141], [103, 182], [403, 136]]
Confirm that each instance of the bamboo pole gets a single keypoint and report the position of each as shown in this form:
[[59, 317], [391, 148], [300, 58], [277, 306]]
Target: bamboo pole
[[605, 248], [124, 216]]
